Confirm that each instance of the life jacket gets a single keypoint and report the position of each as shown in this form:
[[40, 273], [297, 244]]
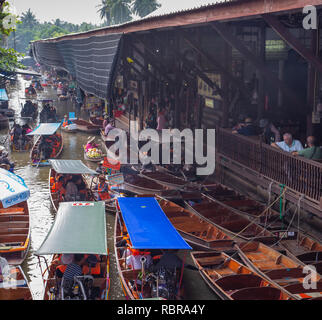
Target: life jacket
[[93, 270], [57, 186], [103, 195], [65, 123], [52, 182], [62, 268], [136, 252]]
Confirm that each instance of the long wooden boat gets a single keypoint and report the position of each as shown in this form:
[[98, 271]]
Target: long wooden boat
[[229, 221], [282, 270], [86, 126], [199, 233], [166, 179], [245, 205], [17, 287], [15, 233], [231, 280], [142, 185], [148, 286], [70, 220], [303, 247], [34, 155], [96, 121]]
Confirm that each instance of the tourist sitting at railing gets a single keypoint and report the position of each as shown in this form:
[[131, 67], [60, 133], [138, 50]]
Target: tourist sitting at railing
[[270, 133], [288, 144], [312, 152], [248, 129]]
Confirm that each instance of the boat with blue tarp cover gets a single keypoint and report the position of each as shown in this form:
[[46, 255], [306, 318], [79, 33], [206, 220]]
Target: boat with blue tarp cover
[[146, 244]]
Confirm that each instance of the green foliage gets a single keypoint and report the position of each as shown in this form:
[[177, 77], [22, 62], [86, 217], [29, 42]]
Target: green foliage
[[144, 7], [9, 59]]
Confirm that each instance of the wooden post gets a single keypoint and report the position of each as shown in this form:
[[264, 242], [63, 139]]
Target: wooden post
[[262, 57]]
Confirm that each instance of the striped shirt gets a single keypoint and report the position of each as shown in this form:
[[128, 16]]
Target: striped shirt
[[72, 270]]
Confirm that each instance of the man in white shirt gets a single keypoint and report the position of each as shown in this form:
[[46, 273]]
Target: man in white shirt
[[4, 269], [288, 145]]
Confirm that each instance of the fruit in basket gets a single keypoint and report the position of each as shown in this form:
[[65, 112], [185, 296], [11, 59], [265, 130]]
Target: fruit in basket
[[94, 153]]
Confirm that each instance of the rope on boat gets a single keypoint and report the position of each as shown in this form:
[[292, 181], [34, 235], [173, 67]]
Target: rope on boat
[[270, 206]]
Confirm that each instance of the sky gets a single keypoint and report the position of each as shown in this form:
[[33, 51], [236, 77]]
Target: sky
[[74, 11]]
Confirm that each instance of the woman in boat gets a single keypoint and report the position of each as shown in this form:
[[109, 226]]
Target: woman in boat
[[102, 189], [66, 122], [91, 144]]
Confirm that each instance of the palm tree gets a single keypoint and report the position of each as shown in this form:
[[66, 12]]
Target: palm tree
[[115, 11], [105, 11], [144, 7], [121, 11], [29, 19]]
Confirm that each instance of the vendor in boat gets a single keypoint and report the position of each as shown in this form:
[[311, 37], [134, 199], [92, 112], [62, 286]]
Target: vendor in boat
[[66, 122], [45, 148], [101, 169], [58, 187], [90, 144], [4, 160], [102, 189], [108, 128]]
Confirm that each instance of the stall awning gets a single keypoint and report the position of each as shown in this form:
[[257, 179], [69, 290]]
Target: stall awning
[[71, 167], [27, 72], [3, 95], [45, 129], [148, 226], [79, 227], [13, 189], [91, 61]]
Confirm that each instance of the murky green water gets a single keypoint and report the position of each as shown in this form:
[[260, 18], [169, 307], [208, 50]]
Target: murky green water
[[42, 214]]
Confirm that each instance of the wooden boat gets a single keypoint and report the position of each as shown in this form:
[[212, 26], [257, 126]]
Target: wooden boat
[[15, 233], [141, 185], [61, 168], [303, 247], [285, 272], [17, 287], [70, 219], [245, 205], [96, 121], [28, 145], [199, 233], [34, 154], [86, 126], [97, 159], [155, 227], [231, 280], [229, 221], [166, 179], [69, 129]]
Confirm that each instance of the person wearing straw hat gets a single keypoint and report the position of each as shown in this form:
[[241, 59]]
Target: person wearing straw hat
[[102, 189]]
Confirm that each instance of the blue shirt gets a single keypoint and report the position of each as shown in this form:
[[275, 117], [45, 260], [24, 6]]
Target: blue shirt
[[296, 146]]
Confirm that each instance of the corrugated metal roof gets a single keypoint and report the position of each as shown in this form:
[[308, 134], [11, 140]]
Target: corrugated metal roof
[[169, 7]]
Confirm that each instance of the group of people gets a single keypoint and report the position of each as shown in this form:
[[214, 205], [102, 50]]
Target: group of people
[[271, 135], [48, 146], [160, 116], [29, 109], [69, 188], [48, 114], [19, 138], [69, 266]]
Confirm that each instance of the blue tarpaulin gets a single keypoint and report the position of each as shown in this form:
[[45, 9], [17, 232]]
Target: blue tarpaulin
[[148, 226], [45, 129], [3, 95]]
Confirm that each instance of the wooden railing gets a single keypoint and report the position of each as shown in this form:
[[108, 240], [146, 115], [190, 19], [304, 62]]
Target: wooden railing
[[302, 175]]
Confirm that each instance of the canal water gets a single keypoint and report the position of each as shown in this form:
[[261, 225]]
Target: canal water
[[42, 214]]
